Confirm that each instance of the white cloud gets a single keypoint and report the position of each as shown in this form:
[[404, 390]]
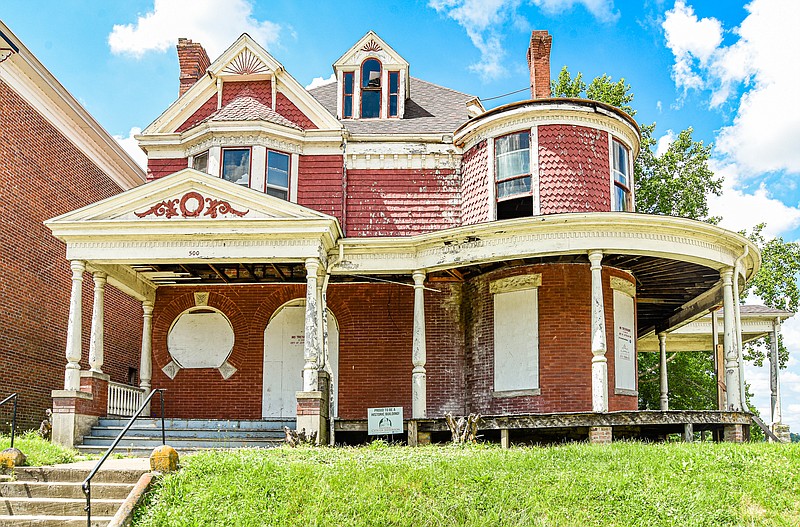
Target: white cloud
[[740, 210], [320, 81], [664, 141], [131, 146], [484, 22], [216, 24], [763, 135]]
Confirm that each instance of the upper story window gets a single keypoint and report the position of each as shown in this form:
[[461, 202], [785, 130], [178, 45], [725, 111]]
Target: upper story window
[[236, 165], [394, 92], [620, 171], [278, 174], [370, 89], [347, 95], [200, 162], [512, 159]]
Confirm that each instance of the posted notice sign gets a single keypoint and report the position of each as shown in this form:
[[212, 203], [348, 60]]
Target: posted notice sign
[[385, 421]]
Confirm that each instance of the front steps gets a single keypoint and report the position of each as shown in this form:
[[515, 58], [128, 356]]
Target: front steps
[[184, 435], [52, 496]]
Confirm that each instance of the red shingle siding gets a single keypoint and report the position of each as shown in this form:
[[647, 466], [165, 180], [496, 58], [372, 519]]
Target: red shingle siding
[[574, 174], [475, 185], [565, 357], [158, 168], [286, 108], [208, 107], [259, 90], [402, 202], [319, 184], [42, 175], [375, 337]]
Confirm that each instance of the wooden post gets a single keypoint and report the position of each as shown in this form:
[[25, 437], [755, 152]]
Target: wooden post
[[413, 432], [72, 375], [146, 359], [599, 361], [505, 442], [662, 348], [98, 315], [688, 432], [311, 346], [734, 401], [419, 397]]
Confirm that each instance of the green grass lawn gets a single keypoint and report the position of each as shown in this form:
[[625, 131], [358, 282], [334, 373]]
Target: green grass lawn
[[624, 484], [39, 451]]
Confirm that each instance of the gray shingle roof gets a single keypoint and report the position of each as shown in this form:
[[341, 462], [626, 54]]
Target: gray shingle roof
[[247, 108], [431, 109]]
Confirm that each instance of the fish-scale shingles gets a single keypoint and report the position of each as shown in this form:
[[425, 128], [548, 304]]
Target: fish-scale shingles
[[475, 185], [574, 173]]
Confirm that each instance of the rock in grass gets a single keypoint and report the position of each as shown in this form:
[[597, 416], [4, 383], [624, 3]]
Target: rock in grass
[[164, 459], [12, 457]]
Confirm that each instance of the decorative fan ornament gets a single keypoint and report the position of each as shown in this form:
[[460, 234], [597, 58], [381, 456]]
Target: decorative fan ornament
[[245, 63], [371, 46]]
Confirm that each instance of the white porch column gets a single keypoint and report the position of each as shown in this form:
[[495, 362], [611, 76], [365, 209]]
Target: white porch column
[[774, 380], [98, 316], [662, 348], [146, 359], [72, 375], [311, 347], [599, 361], [419, 395], [734, 401]]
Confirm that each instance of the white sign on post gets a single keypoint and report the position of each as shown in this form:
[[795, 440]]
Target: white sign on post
[[385, 421]]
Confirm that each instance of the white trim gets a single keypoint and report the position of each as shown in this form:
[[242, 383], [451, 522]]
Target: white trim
[[294, 168], [534, 163], [492, 183]]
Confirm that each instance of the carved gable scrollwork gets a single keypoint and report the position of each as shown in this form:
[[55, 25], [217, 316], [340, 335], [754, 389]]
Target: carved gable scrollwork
[[191, 205]]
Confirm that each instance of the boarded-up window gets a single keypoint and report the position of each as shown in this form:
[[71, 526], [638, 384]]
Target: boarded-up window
[[516, 340], [624, 343]]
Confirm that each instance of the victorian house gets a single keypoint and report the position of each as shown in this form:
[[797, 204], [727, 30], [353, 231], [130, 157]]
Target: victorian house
[[382, 241]]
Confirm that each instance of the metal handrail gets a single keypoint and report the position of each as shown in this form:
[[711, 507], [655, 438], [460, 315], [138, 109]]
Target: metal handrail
[[87, 483], [14, 418]]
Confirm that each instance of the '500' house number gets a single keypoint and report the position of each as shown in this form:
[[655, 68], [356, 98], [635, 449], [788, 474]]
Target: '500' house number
[[194, 253]]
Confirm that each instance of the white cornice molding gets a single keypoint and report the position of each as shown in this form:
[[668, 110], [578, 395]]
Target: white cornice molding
[[39, 88]]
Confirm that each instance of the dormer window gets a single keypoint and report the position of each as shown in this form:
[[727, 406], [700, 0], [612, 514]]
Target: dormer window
[[394, 92], [371, 89], [347, 95]]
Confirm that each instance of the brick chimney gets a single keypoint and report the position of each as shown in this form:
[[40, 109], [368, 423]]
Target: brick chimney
[[193, 61], [539, 64]]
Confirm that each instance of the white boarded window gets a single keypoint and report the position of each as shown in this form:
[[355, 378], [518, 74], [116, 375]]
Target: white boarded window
[[516, 335], [624, 343]]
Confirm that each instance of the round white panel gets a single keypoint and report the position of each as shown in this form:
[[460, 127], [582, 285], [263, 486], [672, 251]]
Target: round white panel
[[200, 340]]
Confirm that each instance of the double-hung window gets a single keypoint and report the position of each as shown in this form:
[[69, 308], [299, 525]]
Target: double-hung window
[[394, 92], [370, 89], [278, 174], [347, 95], [512, 162], [620, 171]]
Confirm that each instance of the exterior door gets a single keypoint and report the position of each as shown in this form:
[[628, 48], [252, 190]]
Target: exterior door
[[284, 339]]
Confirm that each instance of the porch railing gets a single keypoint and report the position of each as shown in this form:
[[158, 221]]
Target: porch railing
[[123, 399], [13, 397]]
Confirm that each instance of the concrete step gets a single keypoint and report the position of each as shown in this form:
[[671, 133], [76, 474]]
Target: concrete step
[[211, 424], [177, 443], [57, 506], [63, 489], [52, 521], [178, 433], [76, 475]]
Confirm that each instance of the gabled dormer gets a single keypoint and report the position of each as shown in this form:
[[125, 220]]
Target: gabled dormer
[[372, 81]]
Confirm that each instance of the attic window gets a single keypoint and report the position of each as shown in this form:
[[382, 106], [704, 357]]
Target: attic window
[[347, 97], [278, 175], [370, 89], [200, 162], [236, 165], [394, 92]]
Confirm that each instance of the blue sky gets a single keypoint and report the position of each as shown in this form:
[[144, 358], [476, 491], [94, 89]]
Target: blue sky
[[727, 69]]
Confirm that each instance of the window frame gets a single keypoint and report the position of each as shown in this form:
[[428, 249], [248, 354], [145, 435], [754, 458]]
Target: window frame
[[205, 154], [267, 185], [617, 185], [362, 88], [350, 95], [249, 168], [528, 174], [395, 94]]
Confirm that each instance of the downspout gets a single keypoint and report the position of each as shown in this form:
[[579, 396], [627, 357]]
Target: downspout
[[327, 365], [738, 321]]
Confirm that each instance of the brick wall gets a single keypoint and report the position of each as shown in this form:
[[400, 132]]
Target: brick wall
[[319, 184], [564, 342], [475, 185], [287, 108], [158, 168], [42, 175], [401, 202], [259, 90], [574, 174]]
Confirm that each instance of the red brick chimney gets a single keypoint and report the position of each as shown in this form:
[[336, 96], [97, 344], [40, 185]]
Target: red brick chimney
[[193, 61], [539, 64]]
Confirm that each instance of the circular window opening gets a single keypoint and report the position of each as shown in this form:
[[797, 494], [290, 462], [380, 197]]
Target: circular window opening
[[201, 337]]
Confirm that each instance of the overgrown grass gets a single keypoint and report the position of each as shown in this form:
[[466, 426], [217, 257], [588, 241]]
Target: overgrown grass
[[39, 451], [624, 484]]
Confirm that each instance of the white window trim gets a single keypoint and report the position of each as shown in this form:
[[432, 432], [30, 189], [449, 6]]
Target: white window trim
[[611, 189], [533, 165]]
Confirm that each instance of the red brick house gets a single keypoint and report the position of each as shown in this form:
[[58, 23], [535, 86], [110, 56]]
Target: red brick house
[[382, 241], [54, 157]]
